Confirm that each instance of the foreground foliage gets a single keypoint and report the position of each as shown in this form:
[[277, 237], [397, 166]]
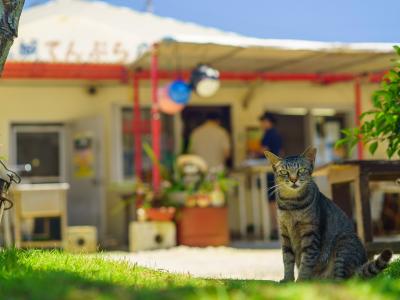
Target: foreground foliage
[[55, 275]]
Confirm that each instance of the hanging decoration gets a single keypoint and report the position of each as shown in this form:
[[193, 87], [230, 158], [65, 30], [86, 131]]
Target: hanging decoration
[[174, 96], [166, 104], [205, 80], [179, 91]]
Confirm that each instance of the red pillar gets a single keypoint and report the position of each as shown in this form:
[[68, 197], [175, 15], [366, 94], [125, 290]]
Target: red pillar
[[136, 129], [357, 113], [155, 119]]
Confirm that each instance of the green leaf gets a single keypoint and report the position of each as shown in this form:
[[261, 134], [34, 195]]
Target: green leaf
[[373, 147], [392, 75], [353, 143], [150, 153], [346, 131], [369, 112], [340, 143], [397, 49], [390, 151]]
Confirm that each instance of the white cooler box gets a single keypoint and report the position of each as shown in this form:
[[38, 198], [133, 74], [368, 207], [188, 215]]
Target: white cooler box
[[151, 235]]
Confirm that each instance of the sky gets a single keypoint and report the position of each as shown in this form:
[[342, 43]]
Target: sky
[[320, 20]]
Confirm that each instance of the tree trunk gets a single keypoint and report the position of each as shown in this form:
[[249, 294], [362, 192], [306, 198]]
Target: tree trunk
[[10, 11]]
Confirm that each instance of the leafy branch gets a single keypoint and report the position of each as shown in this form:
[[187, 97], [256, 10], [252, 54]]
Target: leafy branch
[[382, 123]]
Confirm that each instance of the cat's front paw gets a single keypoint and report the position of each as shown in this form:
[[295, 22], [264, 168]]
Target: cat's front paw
[[286, 280]]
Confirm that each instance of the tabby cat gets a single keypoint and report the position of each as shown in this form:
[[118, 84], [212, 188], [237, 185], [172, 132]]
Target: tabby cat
[[316, 234]]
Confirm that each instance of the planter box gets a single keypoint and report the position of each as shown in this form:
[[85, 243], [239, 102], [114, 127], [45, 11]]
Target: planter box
[[81, 239], [151, 235], [202, 227]]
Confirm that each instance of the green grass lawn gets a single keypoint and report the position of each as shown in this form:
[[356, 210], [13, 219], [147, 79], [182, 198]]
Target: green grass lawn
[[55, 275]]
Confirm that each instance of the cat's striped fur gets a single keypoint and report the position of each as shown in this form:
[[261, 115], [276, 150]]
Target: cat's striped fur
[[316, 235]]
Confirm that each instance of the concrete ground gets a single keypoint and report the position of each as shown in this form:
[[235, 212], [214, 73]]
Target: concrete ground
[[212, 262]]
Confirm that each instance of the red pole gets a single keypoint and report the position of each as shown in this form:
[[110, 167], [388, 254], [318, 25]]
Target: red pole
[[357, 110], [155, 119], [136, 129]]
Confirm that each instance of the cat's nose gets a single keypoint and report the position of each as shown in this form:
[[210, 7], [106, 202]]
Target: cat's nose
[[293, 179]]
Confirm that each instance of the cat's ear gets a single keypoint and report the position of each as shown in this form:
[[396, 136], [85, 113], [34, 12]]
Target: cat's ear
[[273, 159], [310, 154]]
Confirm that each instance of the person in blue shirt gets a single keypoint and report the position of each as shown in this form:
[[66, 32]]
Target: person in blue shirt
[[271, 141]]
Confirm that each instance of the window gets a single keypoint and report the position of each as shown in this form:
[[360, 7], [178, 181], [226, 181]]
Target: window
[[167, 141], [37, 152]]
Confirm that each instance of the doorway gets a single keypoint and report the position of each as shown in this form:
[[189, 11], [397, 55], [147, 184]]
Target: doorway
[[292, 128], [86, 198], [194, 116]]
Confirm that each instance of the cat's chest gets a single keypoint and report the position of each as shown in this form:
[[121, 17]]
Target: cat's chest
[[294, 223]]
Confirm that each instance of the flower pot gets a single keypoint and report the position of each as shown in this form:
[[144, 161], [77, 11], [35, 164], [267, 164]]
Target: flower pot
[[161, 214], [203, 227]]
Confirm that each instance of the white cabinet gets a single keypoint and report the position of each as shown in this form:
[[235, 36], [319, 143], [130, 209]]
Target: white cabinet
[[39, 201]]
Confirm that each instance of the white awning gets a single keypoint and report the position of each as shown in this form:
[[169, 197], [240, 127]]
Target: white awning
[[279, 56]]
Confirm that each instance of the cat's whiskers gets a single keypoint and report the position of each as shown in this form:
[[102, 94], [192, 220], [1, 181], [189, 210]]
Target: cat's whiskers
[[273, 189], [275, 186]]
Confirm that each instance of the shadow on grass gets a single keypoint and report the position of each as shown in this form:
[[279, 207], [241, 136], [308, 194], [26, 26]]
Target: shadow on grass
[[50, 285]]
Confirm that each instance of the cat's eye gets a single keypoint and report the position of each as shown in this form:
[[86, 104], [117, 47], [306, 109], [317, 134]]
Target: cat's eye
[[283, 173], [303, 171]]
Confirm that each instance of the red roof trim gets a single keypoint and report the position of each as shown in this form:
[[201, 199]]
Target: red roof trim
[[63, 71], [13, 70]]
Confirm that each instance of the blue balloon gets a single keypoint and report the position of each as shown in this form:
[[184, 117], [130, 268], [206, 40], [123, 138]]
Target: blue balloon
[[179, 91]]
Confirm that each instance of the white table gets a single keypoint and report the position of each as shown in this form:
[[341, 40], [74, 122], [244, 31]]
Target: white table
[[254, 177]]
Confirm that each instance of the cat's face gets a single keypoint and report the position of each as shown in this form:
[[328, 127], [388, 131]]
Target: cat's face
[[293, 174]]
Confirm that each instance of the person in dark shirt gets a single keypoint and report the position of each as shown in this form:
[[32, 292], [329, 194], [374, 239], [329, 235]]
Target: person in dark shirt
[[271, 141]]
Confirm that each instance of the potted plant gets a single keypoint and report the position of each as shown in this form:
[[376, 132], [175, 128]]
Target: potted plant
[[133, 194], [380, 125], [204, 219], [216, 186], [160, 207], [199, 196]]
